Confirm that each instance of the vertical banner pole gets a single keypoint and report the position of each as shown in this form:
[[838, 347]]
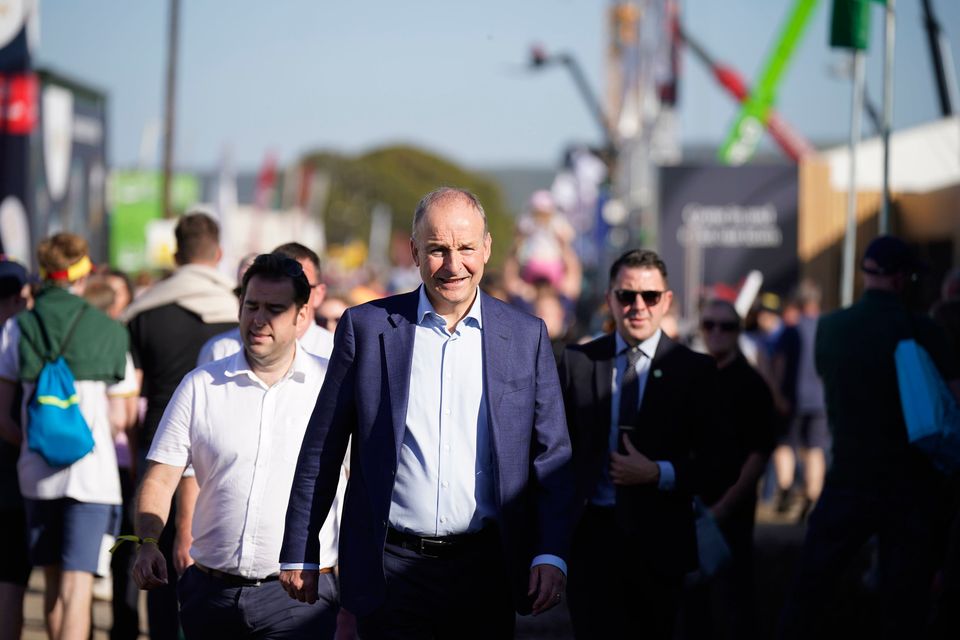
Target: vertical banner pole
[[850, 238], [888, 49]]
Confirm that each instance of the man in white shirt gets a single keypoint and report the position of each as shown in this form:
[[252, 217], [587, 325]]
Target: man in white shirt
[[314, 338], [239, 422]]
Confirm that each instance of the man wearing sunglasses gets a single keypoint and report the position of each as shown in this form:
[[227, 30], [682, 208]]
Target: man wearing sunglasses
[[240, 422], [638, 409], [722, 607]]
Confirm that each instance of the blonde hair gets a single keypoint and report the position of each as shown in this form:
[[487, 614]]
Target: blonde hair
[[60, 251]]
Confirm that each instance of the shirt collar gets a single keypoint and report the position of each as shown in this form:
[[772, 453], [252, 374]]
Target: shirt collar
[[648, 347], [239, 366], [425, 308]]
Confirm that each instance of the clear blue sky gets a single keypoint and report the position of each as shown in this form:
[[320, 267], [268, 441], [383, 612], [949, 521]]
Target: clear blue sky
[[299, 75]]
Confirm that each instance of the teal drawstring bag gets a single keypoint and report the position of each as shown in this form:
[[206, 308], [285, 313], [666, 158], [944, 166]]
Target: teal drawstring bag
[[929, 408], [55, 427]]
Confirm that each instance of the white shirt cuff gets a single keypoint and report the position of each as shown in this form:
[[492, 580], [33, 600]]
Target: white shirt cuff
[[555, 561], [290, 566], [668, 477]]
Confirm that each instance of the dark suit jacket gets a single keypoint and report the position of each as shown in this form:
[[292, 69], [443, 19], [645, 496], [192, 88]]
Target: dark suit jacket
[[365, 396], [674, 425]]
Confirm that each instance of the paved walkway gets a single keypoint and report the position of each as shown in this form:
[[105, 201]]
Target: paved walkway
[[778, 540]]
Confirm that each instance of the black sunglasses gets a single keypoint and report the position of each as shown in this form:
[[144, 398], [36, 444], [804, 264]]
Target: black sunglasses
[[628, 296], [728, 326]]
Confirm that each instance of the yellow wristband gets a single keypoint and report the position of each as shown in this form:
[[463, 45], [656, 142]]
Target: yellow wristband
[[135, 539]]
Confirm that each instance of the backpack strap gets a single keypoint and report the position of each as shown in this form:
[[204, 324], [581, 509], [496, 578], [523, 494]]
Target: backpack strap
[[66, 338]]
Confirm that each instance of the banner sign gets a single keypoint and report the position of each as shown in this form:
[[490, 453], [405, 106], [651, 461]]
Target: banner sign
[[723, 222]]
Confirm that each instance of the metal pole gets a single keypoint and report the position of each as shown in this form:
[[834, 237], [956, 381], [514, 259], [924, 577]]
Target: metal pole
[[170, 106], [935, 42], [888, 47], [850, 238], [586, 92]]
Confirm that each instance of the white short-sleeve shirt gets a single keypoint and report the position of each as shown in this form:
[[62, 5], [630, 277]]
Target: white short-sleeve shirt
[[243, 440], [92, 479]]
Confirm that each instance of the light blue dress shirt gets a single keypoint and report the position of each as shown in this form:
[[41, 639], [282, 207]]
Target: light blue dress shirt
[[605, 493], [445, 476], [444, 482]]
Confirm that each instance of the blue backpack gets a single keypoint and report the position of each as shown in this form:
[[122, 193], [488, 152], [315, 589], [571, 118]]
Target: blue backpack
[[55, 427]]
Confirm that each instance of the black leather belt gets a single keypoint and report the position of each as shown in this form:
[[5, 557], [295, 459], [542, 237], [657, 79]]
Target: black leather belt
[[235, 580], [438, 547]]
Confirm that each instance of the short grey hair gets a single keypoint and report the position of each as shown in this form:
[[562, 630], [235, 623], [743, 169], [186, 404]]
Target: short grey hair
[[443, 194]]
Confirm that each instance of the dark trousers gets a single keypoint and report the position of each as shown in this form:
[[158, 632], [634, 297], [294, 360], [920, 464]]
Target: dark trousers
[[464, 596], [723, 606], [126, 594], [612, 592], [209, 608], [843, 520], [163, 621]]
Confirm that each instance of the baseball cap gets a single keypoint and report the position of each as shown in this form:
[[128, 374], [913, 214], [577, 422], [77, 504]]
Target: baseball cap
[[889, 255], [13, 269]]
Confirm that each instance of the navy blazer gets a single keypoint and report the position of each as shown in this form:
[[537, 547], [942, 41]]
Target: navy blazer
[[364, 396]]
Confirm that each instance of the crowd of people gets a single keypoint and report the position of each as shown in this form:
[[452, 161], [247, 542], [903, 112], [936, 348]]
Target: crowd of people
[[270, 459]]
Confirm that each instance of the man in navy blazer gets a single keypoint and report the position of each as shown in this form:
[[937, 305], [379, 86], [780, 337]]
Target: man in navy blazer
[[459, 505]]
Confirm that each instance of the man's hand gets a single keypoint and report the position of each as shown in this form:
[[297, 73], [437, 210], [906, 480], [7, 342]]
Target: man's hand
[[301, 584], [546, 587], [181, 552], [632, 468], [150, 568]]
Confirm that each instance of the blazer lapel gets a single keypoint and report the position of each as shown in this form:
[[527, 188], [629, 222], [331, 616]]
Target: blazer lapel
[[496, 355], [398, 351], [651, 393], [603, 390]]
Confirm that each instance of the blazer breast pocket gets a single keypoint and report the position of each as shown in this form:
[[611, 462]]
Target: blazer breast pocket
[[518, 384]]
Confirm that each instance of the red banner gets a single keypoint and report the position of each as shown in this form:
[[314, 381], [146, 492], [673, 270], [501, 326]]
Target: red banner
[[18, 103]]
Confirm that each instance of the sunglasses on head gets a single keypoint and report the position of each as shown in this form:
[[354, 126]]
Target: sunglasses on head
[[727, 326], [289, 266], [628, 296]]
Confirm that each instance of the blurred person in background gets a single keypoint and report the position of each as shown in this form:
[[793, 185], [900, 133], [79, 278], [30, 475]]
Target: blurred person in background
[[878, 484], [723, 607], [314, 338], [72, 511], [110, 291], [14, 561], [542, 255], [329, 312], [168, 324], [946, 313], [549, 308], [801, 402], [762, 326]]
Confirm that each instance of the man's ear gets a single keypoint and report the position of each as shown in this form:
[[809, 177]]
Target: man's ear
[[414, 252]]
